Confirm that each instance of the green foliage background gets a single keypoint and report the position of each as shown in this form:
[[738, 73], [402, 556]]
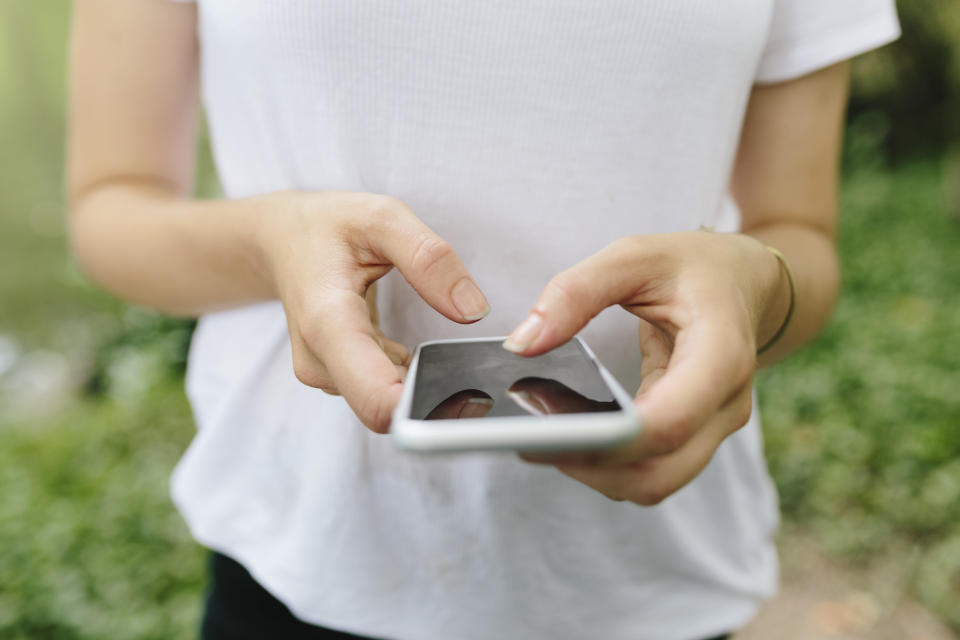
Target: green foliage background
[[862, 428]]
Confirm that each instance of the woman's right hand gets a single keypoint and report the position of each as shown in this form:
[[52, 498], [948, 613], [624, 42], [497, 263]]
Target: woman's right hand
[[322, 251]]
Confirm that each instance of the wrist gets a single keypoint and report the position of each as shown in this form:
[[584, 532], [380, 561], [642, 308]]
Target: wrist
[[264, 231], [777, 306], [757, 273]]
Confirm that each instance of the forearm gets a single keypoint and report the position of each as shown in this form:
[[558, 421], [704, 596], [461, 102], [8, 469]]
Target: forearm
[[811, 253], [145, 244]]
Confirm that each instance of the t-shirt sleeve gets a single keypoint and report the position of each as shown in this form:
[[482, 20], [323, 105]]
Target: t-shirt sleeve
[[806, 35]]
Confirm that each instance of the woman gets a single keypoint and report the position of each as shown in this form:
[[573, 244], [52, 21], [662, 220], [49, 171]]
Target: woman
[[564, 154]]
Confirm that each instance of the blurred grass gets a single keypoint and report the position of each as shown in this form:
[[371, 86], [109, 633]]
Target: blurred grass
[[862, 428], [44, 299], [92, 411], [90, 546]]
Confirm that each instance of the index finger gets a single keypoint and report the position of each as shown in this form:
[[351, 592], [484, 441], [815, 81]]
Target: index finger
[[574, 296], [365, 376], [427, 262]]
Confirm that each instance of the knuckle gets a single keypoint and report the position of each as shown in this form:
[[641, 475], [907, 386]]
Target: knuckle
[[374, 413], [671, 437], [625, 247], [313, 376], [623, 243], [615, 495], [383, 207], [325, 383], [309, 328], [431, 250], [744, 410], [575, 294], [309, 370], [376, 213], [570, 285], [314, 316], [744, 366], [304, 375], [649, 497], [649, 493]]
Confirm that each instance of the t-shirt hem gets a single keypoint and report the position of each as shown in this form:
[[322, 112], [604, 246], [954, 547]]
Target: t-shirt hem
[[736, 612], [798, 59], [267, 577]]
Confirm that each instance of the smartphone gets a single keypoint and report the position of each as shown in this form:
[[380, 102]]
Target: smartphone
[[469, 395]]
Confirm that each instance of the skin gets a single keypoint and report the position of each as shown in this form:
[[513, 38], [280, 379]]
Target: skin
[[704, 300]]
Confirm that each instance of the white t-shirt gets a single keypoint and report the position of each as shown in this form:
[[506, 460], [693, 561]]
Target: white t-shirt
[[529, 134]]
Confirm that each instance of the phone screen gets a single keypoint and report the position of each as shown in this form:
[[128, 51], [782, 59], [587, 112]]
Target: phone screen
[[473, 380]]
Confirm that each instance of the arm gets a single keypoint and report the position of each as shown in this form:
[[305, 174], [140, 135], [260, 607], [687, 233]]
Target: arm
[[785, 182], [132, 114], [133, 75], [706, 300]]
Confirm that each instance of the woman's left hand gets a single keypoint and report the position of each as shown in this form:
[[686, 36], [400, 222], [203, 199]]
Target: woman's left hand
[[701, 298]]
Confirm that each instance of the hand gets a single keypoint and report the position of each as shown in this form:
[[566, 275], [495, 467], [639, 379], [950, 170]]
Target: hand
[[322, 251], [700, 298]]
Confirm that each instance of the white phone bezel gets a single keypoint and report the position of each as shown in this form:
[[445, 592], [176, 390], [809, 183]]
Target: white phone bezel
[[581, 431]]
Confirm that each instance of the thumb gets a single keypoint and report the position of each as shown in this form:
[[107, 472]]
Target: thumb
[[574, 296], [430, 265]]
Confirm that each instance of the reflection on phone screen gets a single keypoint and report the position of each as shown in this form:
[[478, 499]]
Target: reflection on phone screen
[[482, 380]]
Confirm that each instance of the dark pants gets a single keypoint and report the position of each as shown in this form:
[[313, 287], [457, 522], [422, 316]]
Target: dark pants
[[240, 609]]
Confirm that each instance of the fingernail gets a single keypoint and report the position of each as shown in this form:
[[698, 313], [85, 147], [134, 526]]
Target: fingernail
[[524, 335], [476, 408], [469, 301]]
